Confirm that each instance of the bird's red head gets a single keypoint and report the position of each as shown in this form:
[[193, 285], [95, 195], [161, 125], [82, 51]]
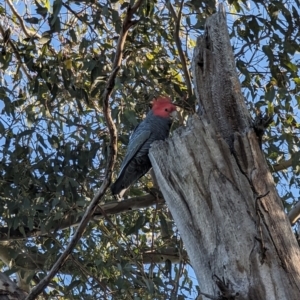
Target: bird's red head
[[163, 107]]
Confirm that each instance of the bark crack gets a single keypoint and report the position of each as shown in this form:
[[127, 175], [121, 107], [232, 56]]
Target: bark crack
[[264, 249], [262, 218], [226, 288], [226, 291], [182, 197]]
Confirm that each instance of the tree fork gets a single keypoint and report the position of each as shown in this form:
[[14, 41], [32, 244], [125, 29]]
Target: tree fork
[[218, 187]]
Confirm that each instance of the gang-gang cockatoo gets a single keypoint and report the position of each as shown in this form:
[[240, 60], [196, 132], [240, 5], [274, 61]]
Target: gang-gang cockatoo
[[155, 126]]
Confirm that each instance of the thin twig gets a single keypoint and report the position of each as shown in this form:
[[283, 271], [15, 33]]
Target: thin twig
[[16, 52], [21, 21], [251, 43], [179, 273], [104, 287], [82, 268], [177, 19], [117, 229], [127, 24], [78, 17], [152, 243]]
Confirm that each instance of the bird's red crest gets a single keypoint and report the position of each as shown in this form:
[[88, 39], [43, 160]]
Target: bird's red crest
[[163, 106]]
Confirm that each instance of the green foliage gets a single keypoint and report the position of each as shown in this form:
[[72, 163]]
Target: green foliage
[[54, 140]]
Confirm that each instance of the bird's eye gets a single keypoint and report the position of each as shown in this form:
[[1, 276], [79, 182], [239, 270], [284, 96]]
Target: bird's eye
[[166, 109]]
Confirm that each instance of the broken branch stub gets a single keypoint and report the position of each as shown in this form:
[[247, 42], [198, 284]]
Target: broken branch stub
[[217, 87]]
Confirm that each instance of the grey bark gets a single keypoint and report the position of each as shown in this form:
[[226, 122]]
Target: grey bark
[[9, 290], [218, 187]]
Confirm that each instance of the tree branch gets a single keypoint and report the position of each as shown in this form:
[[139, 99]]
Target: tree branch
[[21, 21], [250, 44], [16, 52], [127, 24], [74, 263], [111, 208], [294, 214], [78, 17], [161, 255], [177, 19], [88, 274], [282, 165], [12, 255]]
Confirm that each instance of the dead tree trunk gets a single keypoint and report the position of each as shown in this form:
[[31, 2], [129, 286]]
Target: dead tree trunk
[[221, 194]]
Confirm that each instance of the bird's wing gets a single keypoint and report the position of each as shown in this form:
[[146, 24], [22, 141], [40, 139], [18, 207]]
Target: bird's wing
[[137, 140]]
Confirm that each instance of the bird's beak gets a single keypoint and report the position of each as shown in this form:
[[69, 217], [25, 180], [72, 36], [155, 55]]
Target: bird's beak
[[174, 114]]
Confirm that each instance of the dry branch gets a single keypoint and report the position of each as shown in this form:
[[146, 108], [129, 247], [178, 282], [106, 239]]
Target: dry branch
[[111, 208], [21, 21], [177, 19], [127, 24], [282, 165], [77, 15], [16, 52], [294, 214], [160, 256]]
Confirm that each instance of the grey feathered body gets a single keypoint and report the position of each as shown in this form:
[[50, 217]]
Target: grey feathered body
[[136, 162]]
